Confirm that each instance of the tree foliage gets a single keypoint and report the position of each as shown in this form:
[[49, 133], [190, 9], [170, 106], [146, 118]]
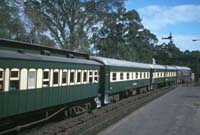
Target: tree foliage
[[11, 26], [99, 27], [123, 36], [69, 21]]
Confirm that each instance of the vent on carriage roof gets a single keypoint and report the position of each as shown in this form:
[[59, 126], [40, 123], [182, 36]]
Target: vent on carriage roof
[[13, 45], [45, 52]]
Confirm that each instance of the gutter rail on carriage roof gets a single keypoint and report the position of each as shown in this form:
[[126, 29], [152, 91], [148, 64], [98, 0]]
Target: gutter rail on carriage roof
[[23, 47]]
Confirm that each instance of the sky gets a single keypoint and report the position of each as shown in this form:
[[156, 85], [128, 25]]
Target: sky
[[180, 17]]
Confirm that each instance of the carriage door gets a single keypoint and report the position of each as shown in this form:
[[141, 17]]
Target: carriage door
[[152, 75], [104, 84], [107, 85]]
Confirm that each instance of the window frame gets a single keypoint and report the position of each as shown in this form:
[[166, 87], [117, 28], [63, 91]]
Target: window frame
[[127, 76], [46, 79], [72, 71], [140, 75], [137, 75], [55, 71], [2, 79], [121, 76], [113, 80], [14, 78], [87, 76], [77, 72], [96, 76], [31, 70], [66, 77], [91, 76]]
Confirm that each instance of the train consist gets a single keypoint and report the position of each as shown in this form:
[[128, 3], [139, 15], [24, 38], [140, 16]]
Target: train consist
[[36, 79]]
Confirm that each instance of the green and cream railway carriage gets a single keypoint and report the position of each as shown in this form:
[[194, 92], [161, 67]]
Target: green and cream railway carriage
[[121, 76], [170, 75], [35, 79], [158, 75]]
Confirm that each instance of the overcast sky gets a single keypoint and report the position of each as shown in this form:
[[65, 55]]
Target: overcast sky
[[181, 17]]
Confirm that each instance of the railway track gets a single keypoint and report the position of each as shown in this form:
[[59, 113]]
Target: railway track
[[99, 119]]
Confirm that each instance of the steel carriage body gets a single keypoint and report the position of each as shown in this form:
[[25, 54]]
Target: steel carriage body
[[120, 76], [183, 74], [26, 99], [158, 75], [171, 75]]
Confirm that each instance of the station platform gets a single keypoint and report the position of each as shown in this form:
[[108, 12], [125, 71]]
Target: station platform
[[175, 113]]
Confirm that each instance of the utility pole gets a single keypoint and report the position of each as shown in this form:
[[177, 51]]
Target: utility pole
[[197, 64]]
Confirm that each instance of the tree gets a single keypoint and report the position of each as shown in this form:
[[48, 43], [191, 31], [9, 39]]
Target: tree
[[123, 36], [11, 26], [69, 21], [167, 54]]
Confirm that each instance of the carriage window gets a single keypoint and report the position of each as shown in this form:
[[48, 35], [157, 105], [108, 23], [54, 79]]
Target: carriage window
[[71, 77], [90, 77], [78, 77], [136, 76], [14, 74], [1, 74], [121, 76], [1, 86], [46, 75], [114, 76], [64, 77], [147, 75], [31, 79], [96, 76], [46, 78], [85, 76], [144, 75], [140, 75], [14, 80], [55, 78], [127, 76], [1, 81]]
